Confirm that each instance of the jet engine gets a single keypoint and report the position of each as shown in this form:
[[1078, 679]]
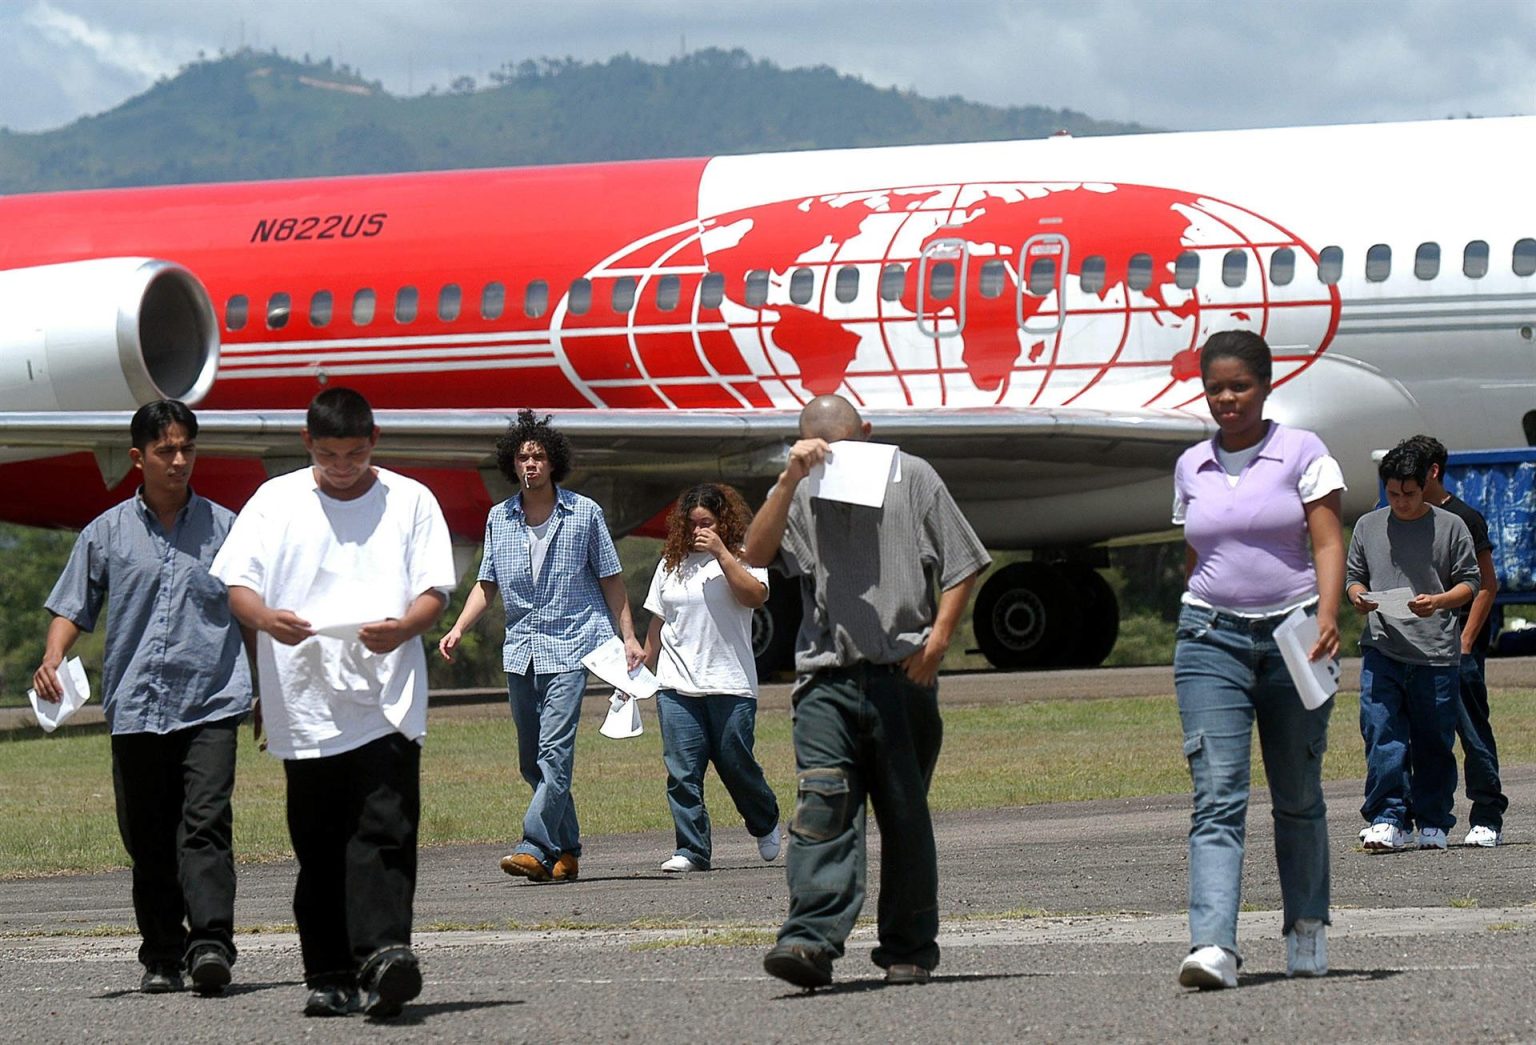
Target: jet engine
[[104, 334]]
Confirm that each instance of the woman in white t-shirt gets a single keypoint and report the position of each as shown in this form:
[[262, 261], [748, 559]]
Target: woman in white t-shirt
[[700, 647]]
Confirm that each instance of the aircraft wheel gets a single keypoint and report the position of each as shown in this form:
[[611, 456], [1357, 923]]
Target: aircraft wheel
[[1100, 614], [774, 626], [1026, 617]]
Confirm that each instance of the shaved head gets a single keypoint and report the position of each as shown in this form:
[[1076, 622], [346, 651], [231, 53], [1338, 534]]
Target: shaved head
[[831, 417]]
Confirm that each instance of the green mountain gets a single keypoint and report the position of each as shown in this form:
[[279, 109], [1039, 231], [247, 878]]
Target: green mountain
[[258, 116]]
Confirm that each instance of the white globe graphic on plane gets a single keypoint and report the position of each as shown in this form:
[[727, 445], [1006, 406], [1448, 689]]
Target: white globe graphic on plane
[[911, 297]]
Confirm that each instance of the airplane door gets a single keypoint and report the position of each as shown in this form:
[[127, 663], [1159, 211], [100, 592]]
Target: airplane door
[[1042, 298]]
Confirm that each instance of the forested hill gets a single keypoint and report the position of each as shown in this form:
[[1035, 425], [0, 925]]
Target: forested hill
[[257, 116]]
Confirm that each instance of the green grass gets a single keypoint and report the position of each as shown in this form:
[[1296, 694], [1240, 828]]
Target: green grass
[[56, 807]]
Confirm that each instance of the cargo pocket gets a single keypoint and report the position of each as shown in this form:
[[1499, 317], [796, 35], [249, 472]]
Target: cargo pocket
[[821, 810]]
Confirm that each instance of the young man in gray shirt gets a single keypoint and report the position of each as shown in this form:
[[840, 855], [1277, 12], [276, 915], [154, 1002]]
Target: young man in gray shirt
[[1409, 682]]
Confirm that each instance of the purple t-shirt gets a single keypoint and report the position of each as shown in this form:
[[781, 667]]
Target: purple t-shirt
[[1250, 540]]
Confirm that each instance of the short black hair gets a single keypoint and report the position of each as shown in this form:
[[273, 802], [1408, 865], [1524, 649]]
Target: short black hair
[[531, 429], [1430, 448], [152, 419], [339, 413], [1245, 346], [1404, 462]]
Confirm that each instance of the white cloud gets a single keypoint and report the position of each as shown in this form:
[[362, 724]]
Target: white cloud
[[144, 57]]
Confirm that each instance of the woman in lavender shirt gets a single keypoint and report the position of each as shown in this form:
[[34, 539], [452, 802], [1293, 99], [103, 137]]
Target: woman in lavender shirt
[[1251, 500]]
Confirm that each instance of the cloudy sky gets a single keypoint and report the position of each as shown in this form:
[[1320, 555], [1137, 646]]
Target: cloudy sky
[[1188, 64]]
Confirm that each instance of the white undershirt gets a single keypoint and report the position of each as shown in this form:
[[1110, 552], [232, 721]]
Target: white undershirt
[[538, 545]]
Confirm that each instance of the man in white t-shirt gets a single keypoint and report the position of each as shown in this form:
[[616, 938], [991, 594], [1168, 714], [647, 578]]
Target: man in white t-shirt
[[341, 567]]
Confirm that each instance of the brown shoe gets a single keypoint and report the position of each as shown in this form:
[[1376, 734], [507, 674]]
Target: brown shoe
[[902, 974], [525, 866], [566, 868]]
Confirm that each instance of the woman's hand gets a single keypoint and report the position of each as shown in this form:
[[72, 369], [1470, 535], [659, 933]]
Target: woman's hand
[[1327, 638], [707, 540]]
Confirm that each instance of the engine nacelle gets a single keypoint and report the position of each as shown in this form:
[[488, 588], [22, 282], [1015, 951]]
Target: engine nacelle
[[105, 334]]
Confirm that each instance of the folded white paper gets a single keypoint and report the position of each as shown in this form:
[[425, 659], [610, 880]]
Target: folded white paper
[[77, 690], [609, 663], [1391, 602], [1315, 680], [623, 719], [344, 630], [856, 472]]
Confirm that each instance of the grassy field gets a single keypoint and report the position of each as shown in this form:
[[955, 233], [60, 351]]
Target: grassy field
[[56, 811]]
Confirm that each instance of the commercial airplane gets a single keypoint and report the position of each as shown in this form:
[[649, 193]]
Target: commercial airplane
[[1027, 315]]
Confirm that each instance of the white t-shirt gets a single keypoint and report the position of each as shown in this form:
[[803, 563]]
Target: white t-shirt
[[338, 562], [706, 635], [538, 546]]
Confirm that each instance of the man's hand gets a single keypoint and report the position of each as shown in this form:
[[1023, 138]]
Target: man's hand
[[383, 636], [634, 653], [1361, 604], [803, 456], [46, 679], [1423, 605], [450, 642], [922, 667], [287, 627]]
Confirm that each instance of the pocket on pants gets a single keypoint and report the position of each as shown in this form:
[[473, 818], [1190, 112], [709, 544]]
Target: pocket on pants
[[821, 809], [1192, 745]]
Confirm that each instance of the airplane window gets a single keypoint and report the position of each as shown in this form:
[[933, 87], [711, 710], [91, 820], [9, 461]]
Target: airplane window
[[407, 299], [1234, 268], [320, 309], [278, 306], [1139, 272], [1330, 265], [847, 286], [802, 283], [1525, 257], [362, 308], [1378, 263], [449, 301], [712, 290], [1091, 278], [493, 300], [1426, 261], [578, 300], [1282, 266], [536, 299], [1186, 270], [669, 291], [1474, 260], [994, 275], [1042, 276], [757, 288], [893, 280], [941, 280], [624, 293], [235, 312]]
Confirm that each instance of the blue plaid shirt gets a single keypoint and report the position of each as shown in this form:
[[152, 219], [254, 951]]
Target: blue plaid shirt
[[562, 618]]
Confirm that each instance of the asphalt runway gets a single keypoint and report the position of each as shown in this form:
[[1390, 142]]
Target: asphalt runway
[[1059, 923]]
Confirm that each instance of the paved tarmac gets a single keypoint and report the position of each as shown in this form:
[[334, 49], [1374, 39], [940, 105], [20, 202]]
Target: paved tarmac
[[1059, 923]]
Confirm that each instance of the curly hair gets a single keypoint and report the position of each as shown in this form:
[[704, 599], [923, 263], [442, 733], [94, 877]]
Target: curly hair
[[732, 517], [530, 429]]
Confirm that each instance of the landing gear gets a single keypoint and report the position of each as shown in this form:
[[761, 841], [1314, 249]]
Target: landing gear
[[1039, 615], [774, 625]]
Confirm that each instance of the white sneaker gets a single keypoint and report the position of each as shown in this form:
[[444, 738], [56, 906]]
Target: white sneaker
[[1385, 837], [679, 865], [1431, 838], [1306, 948], [1483, 835], [1365, 831], [769, 844], [1209, 968]]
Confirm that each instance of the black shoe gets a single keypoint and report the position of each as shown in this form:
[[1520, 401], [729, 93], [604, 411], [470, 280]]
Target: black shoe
[[161, 979], [208, 967], [800, 965], [391, 978], [902, 974], [333, 999]]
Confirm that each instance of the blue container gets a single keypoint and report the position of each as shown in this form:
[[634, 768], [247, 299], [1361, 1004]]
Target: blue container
[[1502, 485]]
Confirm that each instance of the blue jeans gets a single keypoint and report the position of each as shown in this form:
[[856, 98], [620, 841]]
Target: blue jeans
[[1479, 753], [546, 709], [1229, 674], [1408, 718], [696, 731]]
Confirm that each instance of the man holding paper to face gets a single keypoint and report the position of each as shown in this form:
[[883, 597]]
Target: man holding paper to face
[[866, 719], [1410, 686], [175, 686]]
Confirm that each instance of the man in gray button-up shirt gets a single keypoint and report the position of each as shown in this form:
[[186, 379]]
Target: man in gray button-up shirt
[[175, 686]]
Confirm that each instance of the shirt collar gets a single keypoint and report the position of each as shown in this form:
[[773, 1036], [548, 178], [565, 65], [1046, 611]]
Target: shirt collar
[[145, 511], [565, 503]]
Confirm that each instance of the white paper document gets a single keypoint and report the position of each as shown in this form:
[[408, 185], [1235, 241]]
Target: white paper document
[[1392, 602], [608, 663], [1315, 680], [338, 606], [344, 630], [856, 472], [77, 690], [623, 719]]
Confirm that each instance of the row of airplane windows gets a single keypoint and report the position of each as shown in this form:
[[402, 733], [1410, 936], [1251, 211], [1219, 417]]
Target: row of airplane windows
[[942, 278]]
